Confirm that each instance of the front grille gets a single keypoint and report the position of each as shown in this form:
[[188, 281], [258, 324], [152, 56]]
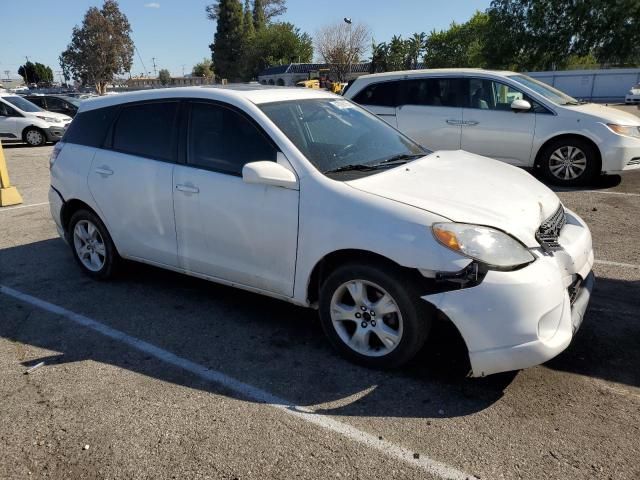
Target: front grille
[[574, 290], [634, 161], [550, 229]]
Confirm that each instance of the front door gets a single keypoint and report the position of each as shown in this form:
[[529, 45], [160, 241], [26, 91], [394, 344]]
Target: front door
[[8, 123], [228, 229], [490, 128], [430, 112], [132, 182]]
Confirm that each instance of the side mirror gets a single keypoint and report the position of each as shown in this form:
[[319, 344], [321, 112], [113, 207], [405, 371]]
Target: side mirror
[[520, 106], [269, 173]]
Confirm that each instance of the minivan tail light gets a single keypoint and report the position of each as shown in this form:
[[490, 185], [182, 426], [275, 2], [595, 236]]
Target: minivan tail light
[[54, 154]]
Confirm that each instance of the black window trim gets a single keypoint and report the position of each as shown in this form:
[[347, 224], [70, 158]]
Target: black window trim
[[107, 144], [186, 133]]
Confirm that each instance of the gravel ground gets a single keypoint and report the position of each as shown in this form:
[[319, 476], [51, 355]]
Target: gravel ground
[[578, 416]]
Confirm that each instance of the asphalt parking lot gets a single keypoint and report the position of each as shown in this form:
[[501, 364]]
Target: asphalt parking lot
[[159, 375]]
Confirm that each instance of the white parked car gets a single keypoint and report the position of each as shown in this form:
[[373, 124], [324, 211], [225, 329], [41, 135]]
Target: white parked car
[[302, 195], [506, 116], [633, 96], [23, 121]]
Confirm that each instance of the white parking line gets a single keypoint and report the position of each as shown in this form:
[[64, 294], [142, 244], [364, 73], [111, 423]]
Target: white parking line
[[8, 209], [616, 264], [250, 392], [604, 192]]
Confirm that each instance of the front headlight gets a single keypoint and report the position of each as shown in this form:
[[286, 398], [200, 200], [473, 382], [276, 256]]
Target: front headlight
[[627, 130], [485, 244], [49, 119]]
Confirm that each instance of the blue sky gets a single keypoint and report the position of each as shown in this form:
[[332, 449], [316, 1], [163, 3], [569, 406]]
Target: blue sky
[[178, 33]]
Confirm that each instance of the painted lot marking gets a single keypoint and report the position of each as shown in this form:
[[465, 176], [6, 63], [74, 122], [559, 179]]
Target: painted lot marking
[[250, 392], [616, 264], [7, 209]]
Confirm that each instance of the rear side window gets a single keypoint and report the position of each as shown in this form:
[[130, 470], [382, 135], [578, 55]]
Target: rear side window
[[224, 140], [433, 92], [146, 130], [38, 101], [378, 94], [90, 128]]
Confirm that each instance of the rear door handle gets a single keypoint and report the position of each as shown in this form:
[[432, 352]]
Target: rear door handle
[[104, 171], [187, 188], [454, 122], [470, 123]]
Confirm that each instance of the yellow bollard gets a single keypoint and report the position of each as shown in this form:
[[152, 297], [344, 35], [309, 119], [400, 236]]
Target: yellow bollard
[[8, 195]]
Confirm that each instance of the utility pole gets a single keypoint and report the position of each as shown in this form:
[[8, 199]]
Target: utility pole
[[7, 72], [183, 65], [155, 72], [26, 72], [348, 22]]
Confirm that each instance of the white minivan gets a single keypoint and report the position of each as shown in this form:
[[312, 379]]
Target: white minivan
[[23, 121], [304, 196], [507, 116]]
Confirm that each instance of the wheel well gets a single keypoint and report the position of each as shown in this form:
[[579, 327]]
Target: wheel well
[[32, 127], [567, 137], [69, 208], [332, 260]]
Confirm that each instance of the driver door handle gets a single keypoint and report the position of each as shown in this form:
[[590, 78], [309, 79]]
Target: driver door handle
[[455, 122], [104, 171], [470, 123], [187, 188]]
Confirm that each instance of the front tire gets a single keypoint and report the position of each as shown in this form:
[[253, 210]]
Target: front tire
[[569, 162], [373, 314], [34, 137], [92, 246]]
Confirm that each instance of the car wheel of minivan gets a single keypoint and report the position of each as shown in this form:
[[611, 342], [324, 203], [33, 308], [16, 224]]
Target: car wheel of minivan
[[373, 315], [34, 137], [569, 162], [91, 245]]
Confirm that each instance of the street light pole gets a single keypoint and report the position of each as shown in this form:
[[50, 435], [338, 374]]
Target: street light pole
[[347, 20]]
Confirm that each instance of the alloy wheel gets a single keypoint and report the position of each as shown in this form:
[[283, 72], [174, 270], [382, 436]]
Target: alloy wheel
[[89, 245], [567, 163]]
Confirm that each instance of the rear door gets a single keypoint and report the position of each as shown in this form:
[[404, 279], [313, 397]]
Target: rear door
[[131, 181], [491, 128], [380, 98], [430, 111]]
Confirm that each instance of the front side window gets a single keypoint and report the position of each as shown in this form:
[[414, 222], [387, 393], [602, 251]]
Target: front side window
[[378, 94], [146, 130], [22, 104], [224, 140], [39, 101], [7, 111], [433, 92], [56, 105], [335, 134], [491, 95]]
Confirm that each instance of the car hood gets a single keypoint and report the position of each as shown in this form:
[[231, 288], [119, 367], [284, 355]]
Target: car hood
[[605, 114], [468, 188]]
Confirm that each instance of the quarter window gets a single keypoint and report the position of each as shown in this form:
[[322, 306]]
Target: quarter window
[[379, 94], [223, 140], [433, 92], [146, 130]]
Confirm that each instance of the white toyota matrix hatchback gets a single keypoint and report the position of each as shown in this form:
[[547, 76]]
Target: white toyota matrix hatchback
[[304, 196]]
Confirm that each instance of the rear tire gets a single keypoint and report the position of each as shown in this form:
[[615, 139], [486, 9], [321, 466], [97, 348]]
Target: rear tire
[[569, 162], [92, 246], [373, 314], [34, 137]]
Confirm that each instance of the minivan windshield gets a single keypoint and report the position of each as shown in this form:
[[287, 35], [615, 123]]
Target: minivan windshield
[[338, 136], [22, 104], [547, 91]]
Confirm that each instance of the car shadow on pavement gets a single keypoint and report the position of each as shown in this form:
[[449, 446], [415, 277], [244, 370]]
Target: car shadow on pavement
[[263, 342]]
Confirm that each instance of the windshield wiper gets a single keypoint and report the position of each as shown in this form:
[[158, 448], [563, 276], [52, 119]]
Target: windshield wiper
[[351, 167], [579, 102], [400, 159]]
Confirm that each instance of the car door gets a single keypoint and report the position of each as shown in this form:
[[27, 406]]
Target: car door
[[380, 98], [491, 128], [8, 122], [228, 229], [131, 181], [430, 111]]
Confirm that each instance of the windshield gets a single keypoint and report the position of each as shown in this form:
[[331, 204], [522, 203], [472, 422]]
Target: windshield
[[22, 104], [335, 134], [548, 92]]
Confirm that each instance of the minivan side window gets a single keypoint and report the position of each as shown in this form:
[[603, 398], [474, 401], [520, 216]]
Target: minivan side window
[[382, 94], [7, 111], [90, 128], [146, 130], [433, 92], [224, 140], [491, 95]]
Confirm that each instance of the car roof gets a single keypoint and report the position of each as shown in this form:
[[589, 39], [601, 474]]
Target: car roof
[[436, 71], [256, 94]]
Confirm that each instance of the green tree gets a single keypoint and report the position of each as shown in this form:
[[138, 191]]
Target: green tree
[[462, 45], [203, 69], [164, 76], [228, 44], [36, 73], [101, 48], [259, 18], [279, 43], [268, 9]]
